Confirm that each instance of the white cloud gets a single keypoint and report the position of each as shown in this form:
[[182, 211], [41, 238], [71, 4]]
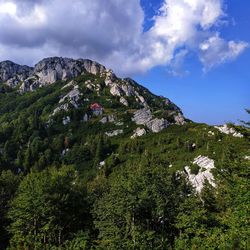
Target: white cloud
[[176, 65], [215, 51], [111, 32]]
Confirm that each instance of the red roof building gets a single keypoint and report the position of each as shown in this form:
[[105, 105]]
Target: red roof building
[[96, 106], [97, 109]]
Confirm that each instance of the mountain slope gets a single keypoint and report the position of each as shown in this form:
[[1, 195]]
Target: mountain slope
[[92, 79], [101, 162]]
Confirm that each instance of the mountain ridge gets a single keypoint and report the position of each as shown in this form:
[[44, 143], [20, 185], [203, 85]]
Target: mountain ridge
[[129, 93], [105, 155]]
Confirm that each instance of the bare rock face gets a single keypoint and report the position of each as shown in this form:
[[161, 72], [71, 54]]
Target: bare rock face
[[124, 101], [109, 118], [198, 180], [127, 91], [179, 119], [142, 116], [12, 73], [114, 133], [156, 125], [115, 90], [66, 120], [47, 71], [229, 131], [73, 97], [139, 132], [50, 70], [63, 107]]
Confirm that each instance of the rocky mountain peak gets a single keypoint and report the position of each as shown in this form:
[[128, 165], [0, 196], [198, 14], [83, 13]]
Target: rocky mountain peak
[[15, 72], [47, 71], [153, 112], [53, 69]]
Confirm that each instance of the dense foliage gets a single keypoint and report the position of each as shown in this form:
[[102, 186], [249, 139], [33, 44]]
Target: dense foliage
[[55, 194]]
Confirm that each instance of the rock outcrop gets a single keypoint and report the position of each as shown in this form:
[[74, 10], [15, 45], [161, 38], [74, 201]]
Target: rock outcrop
[[73, 97], [47, 71], [197, 180], [66, 120], [139, 132], [156, 125], [108, 118], [114, 133], [50, 70], [12, 73], [144, 117], [126, 91], [229, 131]]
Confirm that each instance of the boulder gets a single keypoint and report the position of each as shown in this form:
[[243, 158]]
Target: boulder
[[66, 120], [179, 119], [85, 118], [156, 125], [138, 133], [114, 133], [142, 116]]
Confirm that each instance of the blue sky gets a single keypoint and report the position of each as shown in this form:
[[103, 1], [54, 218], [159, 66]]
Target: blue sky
[[195, 52], [215, 97]]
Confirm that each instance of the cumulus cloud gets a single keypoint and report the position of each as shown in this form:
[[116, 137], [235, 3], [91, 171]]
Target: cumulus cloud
[[215, 51], [112, 33]]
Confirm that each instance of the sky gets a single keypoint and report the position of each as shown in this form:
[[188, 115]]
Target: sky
[[195, 52]]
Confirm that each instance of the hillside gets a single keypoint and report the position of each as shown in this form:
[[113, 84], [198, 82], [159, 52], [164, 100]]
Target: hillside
[[92, 161]]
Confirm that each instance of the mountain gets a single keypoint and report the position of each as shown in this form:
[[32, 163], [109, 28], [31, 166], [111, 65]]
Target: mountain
[[129, 93], [89, 160]]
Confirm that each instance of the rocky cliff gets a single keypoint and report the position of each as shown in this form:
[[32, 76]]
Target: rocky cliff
[[152, 111]]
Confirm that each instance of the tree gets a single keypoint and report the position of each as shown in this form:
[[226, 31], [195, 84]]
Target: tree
[[139, 208], [247, 123], [48, 208], [8, 186]]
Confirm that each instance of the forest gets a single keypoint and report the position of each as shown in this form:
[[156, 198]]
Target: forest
[[70, 186]]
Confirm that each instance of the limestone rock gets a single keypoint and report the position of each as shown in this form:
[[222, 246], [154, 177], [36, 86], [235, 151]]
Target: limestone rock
[[109, 118], [115, 90], [229, 131], [13, 74], [114, 133], [206, 165], [179, 119], [141, 99], [63, 107], [138, 133], [70, 84], [156, 125], [66, 120], [30, 84], [73, 96], [128, 89], [110, 77], [53, 69], [142, 116], [85, 117], [123, 101], [247, 157], [211, 133]]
